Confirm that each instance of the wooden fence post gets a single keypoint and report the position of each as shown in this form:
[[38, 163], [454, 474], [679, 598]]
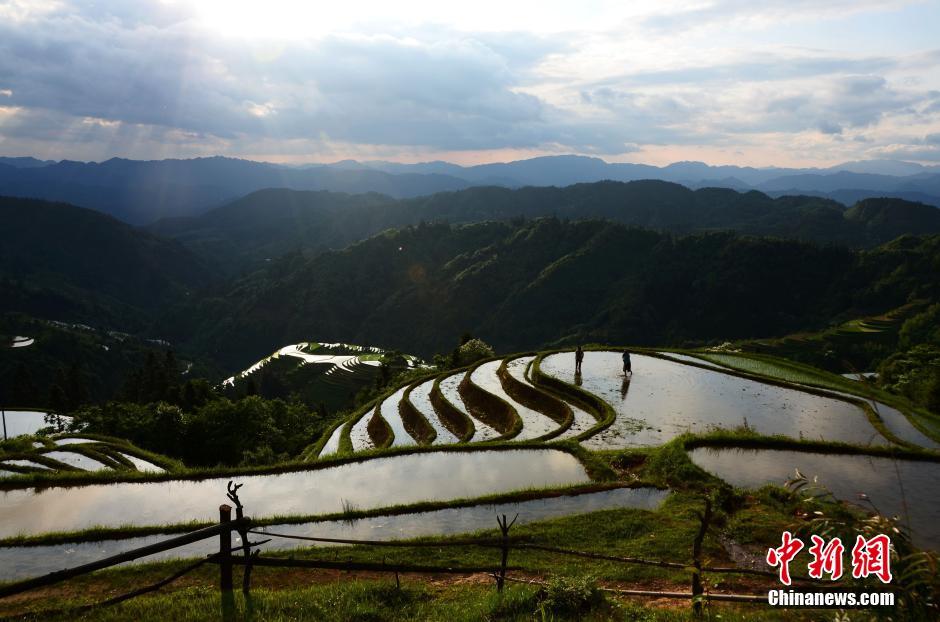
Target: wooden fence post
[[504, 527], [243, 532], [697, 587], [225, 549]]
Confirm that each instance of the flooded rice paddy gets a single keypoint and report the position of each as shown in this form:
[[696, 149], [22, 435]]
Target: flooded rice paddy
[[534, 424], [582, 420], [369, 484], [663, 399], [905, 488], [332, 444], [359, 434], [420, 398], [144, 466], [22, 422], [22, 342], [76, 460], [23, 562], [389, 412], [449, 390]]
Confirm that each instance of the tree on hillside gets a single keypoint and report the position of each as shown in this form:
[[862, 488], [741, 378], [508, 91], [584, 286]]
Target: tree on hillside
[[24, 391], [472, 351], [69, 390]]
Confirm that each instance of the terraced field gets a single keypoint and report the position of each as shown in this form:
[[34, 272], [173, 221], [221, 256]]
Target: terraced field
[[506, 431], [341, 358], [327, 374], [540, 398], [23, 422], [78, 454]]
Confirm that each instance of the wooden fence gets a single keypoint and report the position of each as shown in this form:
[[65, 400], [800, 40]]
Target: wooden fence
[[226, 559]]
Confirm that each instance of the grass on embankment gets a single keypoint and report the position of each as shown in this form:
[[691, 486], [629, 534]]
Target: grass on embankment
[[665, 534], [749, 439], [379, 599]]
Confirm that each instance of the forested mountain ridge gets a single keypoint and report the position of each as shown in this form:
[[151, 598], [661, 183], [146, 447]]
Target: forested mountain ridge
[[75, 264], [64, 262], [526, 284], [268, 223]]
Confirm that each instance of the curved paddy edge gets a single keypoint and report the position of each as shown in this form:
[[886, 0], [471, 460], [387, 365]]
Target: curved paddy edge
[[601, 410], [536, 399], [416, 424], [489, 408]]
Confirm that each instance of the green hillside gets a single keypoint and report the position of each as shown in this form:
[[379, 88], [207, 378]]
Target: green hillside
[[268, 223], [531, 283], [68, 263]]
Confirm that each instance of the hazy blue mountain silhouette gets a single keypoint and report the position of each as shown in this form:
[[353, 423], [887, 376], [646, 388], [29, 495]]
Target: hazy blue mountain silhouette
[[141, 192]]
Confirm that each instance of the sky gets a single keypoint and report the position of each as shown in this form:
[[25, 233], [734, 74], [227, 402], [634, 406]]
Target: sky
[[747, 82]]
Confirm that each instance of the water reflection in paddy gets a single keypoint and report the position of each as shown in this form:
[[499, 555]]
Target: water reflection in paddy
[[22, 562], [389, 412], [359, 434], [332, 444], [142, 465], [582, 420], [20, 422], [373, 483], [534, 424], [663, 399], [450, 392], [896, 422], [76, 460], [420, 398], [905, 488]]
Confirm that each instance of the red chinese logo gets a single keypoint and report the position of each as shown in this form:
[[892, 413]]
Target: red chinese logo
[[827, 558], [783, 555], [872, 557], [869, 557]]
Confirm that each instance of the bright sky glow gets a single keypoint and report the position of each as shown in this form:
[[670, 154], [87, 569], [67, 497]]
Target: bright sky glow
[[785, 82]]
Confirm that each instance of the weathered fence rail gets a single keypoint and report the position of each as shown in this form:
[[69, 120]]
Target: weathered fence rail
[[226, 560], [59, 576]]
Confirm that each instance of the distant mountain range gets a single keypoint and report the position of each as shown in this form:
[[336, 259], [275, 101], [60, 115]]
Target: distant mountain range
[[266, 224], [141, 192]]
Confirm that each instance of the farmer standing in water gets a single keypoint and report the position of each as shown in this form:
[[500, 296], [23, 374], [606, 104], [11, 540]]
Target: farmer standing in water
[[627, 367], [578, 358]]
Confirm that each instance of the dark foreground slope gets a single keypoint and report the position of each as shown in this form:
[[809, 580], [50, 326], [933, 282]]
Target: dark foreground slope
[[533, 283], [64, 262], [268, 223]]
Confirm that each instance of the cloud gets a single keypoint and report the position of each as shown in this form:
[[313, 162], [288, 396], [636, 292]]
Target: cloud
[[129, 77], [455, 92], [729, 13], [828, 127], [930, 153]]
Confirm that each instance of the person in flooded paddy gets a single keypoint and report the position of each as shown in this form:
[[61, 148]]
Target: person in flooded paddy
[[578, 359], [627, 365]]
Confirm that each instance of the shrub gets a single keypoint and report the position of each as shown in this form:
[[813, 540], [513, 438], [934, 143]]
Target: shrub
[[568, 595], [473, 351]]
